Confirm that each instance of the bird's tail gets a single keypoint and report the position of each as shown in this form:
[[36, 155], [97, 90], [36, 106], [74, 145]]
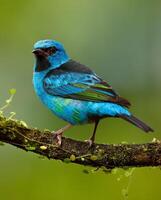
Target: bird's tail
[[137, 123]]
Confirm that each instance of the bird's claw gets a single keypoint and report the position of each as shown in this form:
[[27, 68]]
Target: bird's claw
[[90, 142], [57, 136]]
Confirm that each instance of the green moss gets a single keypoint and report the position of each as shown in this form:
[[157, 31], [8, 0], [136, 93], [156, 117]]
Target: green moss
[[72, 157], [145, 149], [93, 157], [25, 141], [43, 147], [30, 148], [22, 123], [12, 136]]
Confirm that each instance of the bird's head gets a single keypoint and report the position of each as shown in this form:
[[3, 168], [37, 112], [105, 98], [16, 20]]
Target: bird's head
[[49, 54]]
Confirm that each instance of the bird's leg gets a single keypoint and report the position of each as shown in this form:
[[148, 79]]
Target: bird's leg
[[92, 138], [59, 133]]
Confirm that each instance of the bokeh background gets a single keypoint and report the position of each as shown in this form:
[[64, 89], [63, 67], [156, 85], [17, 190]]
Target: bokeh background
[[121, 41]]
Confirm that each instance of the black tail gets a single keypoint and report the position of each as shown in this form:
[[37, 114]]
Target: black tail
[[137, 123]]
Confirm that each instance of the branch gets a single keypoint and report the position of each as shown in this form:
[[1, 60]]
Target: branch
[[110, 156]]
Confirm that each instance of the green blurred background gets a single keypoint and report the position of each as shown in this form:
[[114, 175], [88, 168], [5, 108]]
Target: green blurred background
[[121, 41]]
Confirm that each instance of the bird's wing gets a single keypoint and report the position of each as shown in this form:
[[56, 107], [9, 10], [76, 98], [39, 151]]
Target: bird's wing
[[81, 86]]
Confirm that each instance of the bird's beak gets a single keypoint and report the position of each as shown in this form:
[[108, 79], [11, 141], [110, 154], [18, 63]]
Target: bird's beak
[[39, 52]]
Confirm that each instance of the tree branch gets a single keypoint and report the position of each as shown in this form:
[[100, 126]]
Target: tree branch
[[110, 156]]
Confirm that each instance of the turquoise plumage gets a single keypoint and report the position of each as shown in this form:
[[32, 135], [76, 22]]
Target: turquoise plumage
[[73, 92]]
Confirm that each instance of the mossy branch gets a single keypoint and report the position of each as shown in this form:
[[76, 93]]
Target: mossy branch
[[110, 156]]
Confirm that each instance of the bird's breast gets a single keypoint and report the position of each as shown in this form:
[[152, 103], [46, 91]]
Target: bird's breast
[[38, 85]]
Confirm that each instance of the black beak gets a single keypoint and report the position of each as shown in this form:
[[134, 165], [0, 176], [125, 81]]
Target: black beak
[[39, 52]]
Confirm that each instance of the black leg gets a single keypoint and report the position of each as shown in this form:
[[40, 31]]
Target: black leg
[[94, 132]]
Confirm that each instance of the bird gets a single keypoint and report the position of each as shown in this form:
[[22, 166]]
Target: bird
[[75, 93]]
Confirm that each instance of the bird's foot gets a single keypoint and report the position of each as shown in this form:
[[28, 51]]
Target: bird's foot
[[90, 142], [57, 137]]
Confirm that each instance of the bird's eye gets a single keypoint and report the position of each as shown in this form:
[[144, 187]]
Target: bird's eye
[[50, 50]]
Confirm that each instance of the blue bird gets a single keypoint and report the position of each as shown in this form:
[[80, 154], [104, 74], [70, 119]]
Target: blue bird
[[74, 92]]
